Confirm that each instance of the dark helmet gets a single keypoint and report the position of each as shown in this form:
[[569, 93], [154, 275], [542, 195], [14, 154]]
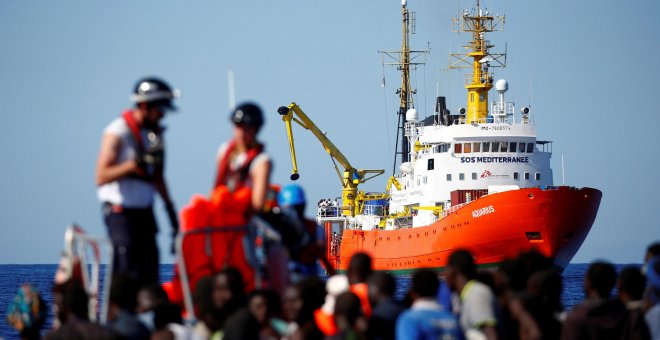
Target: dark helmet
[[153, 90], [247, 114]]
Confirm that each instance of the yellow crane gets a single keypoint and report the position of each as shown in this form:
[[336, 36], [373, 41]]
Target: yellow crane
[[350, 178]]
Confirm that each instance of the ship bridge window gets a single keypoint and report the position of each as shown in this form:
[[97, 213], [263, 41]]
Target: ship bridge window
[[537, 176], [503, 146], [486, 146], [441, 148], [521, 147], [476, 147], [512, 147], [467, 147], [530, 147], [430, 164], [527, 175], [458, 148], [448, 177]]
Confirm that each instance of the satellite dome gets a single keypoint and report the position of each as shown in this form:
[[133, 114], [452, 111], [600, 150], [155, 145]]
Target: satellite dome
[[411, 115], [501, 86]]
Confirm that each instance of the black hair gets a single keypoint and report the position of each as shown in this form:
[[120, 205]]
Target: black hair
[[359, 267], [74, 299], [463, 261], [166, 314], [653, 249], [348, 305], [202, 296], [602, 277], [384, 281], [425, 283], [632, 282], [312, 293], [123, 292], [235, 280]]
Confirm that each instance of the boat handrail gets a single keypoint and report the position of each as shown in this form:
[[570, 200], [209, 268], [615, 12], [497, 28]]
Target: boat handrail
[[329, 211], [76, 244], [452, 209], [495, 120]]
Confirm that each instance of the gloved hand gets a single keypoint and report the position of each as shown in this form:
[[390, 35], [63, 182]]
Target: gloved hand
[[174, 223]]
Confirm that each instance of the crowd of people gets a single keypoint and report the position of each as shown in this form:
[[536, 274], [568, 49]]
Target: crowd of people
[[521, 299], [282, 295]]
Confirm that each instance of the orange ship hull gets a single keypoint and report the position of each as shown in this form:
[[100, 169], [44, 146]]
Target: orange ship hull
[[493, 228]]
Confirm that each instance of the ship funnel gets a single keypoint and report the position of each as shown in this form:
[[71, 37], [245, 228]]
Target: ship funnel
[[443, 114]]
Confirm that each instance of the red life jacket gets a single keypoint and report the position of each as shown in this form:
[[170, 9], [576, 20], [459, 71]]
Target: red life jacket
[[134, 127], [235, 180]]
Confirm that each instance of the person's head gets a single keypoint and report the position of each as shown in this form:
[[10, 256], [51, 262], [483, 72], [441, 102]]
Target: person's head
[[153, 97], [292, 196], [652, 251], [545, 286], [27, 312], [149, 297], [71, 301], [381, 286], [359, 268], [348, 313], [312, 293], [460, 266], [263, 304], [228, 288], [600, 279], [123, 293], [248, 120], [631, 284], [204, 303], [424, 283]]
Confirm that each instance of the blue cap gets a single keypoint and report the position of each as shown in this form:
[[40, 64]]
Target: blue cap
[[291, 194]]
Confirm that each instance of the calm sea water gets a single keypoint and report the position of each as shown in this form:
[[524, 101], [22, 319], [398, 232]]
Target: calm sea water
[[41, 277]]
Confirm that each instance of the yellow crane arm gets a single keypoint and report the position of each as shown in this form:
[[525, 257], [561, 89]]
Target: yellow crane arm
[[351, 177]]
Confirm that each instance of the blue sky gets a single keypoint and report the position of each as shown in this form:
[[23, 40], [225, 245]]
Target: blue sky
[[67, 68]]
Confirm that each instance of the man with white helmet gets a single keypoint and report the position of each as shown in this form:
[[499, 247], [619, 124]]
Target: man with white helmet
[[129, 172]]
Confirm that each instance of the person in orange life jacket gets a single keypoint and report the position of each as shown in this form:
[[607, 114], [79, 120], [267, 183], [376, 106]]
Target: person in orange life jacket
[[243, 164], [129, 173], [242, 161]]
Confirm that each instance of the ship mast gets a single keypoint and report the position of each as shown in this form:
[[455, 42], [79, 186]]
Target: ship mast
[[480, 81], [403, 59]]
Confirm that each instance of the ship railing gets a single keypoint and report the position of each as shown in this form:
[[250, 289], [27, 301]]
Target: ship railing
[[328, 211], [502, 109], [498, 120], [453, 208], [376, 210], [411, 128], [403, 222]]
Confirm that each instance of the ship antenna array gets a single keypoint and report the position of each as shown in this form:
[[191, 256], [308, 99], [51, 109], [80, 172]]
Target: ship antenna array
[[478, 57], [403, 59]]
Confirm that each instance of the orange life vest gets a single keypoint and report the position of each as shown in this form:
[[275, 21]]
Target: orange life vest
[[215, 230]]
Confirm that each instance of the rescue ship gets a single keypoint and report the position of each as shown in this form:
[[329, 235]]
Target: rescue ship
[[479, 180]]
